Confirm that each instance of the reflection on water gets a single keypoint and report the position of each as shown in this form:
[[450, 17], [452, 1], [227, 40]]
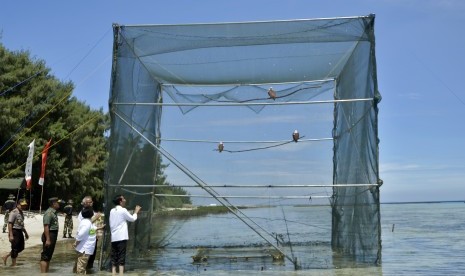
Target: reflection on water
[[417, 239]]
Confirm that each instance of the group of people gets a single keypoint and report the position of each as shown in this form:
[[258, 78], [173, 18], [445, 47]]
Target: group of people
[[86, 234]]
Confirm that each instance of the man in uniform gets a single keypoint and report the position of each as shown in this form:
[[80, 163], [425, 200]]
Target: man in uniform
[[49, 237], [15, 232], [9, 204], [68, 227]]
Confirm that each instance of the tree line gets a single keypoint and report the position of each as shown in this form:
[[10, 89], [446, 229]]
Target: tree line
[[34, 104]]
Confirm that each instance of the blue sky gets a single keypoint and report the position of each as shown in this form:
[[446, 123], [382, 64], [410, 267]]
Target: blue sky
[[419, 49]]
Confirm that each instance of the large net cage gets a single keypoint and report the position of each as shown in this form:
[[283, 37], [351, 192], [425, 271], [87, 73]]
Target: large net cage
[[277, 115]]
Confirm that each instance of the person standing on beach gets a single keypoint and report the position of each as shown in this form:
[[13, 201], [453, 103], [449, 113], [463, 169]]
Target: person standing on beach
[[88, 202], [119, 216], [7, 206], [68, 225], [86, 238], [15, 232], [49, 237]]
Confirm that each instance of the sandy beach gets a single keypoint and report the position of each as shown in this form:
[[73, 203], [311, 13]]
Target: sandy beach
[[35, 228]]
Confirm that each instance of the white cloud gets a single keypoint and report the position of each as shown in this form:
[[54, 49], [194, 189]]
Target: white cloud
[[253, 120], [447, 5], [417, 167], [275, 119], [396, 167], [436, 6], [412, 96]]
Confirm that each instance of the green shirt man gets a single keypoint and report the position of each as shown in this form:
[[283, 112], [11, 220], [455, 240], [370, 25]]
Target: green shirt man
[[49, 237], [51, 218]]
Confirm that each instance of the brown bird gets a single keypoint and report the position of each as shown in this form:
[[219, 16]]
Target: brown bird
[[295, 136], [220, 147], [272, 93]]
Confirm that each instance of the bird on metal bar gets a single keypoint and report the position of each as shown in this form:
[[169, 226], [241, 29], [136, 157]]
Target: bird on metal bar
[[220, 147], [295, 136], [272, 93]]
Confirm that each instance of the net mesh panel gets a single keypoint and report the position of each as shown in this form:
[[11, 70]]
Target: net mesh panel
[[356, 228], [216, 78]]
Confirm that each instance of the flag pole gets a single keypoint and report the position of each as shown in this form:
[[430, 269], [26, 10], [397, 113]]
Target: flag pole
[[42, 171], [28, 170], [17, 195], [30, 200], [40, 206]]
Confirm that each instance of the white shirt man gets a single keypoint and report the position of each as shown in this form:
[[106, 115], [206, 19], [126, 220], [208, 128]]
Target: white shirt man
[[88, 202], [86, 234], [119, 216], [86, 240]]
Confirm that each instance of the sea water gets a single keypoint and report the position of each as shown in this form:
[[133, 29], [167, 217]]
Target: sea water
[[417, 239]]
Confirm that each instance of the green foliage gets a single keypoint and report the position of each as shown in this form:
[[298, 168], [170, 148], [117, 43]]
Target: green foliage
[[35, 105]]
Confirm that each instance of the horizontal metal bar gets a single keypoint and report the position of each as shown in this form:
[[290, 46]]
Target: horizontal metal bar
[[247, 84], [249, 186], [243, 142], [266, 197], [246, 22], [246, 104]]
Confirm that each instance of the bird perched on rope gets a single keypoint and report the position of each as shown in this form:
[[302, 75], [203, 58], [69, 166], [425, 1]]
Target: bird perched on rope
[[295, 136], [220, 147], [272, 93]]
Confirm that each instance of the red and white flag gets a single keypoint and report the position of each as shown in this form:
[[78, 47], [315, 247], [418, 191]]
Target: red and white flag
[[28, 170], [44, 162]]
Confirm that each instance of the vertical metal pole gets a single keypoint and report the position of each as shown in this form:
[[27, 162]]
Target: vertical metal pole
[[150, 219], [41, 195]]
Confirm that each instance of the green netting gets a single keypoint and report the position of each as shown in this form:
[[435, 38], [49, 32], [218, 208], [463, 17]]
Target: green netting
[[178, 90]]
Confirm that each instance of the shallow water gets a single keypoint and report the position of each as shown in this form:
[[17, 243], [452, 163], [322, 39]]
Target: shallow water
[[417, 239]]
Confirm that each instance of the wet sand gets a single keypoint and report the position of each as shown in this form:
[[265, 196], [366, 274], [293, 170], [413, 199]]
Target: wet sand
[[61, 264], [28, 260]]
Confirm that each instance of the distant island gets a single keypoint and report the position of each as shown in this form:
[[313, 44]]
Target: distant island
[[419, 202]]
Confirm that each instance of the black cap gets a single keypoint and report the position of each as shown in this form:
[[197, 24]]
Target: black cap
[[52, 199]]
